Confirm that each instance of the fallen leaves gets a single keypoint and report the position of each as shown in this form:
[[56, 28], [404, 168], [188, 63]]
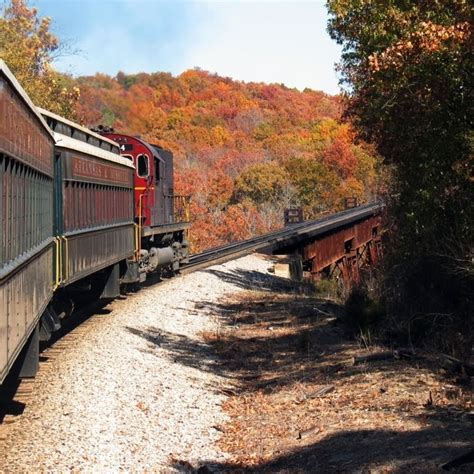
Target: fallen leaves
[[294, 402]]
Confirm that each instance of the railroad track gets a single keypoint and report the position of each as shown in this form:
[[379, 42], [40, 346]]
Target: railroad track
[[15, 394], [277, 238]]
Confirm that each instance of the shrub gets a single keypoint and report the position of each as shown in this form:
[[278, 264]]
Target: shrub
[[363, 313]]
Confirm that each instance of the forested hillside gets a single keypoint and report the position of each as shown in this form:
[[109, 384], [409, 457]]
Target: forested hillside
[[244, 151]]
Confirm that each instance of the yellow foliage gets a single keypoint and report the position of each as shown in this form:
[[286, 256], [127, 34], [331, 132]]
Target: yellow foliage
[[328, 130], [27, 46], [220, 136]]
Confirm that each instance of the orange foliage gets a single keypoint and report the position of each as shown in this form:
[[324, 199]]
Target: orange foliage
[[222, 130]]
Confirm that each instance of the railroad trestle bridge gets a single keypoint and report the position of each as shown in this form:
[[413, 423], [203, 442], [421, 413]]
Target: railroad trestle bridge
[[337, 245], [341, 246]]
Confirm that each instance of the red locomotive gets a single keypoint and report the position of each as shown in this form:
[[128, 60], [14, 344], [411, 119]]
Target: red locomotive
[[161, 216]]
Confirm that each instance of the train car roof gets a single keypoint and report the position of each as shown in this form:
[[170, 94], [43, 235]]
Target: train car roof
[[75, 125], [63, 141], [160, 149], [151, 147], [4, 69]]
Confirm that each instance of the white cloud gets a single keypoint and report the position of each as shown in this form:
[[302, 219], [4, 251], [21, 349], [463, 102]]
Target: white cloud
[[263, 41], [127, 35], [266, 41]]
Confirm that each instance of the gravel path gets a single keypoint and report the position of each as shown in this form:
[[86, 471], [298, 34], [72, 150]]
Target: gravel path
[[131, 393]]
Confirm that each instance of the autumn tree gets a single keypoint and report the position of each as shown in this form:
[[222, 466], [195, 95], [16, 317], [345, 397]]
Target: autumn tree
[[262, 183], [315, 185], [28, 48], [407, 68], [233, 143]]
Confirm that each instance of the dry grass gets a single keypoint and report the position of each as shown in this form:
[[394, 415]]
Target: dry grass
[[386, 416]]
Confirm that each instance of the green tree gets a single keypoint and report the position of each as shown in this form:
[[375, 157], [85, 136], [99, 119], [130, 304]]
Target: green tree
[[407, 68], [28, 48], [315, 185]]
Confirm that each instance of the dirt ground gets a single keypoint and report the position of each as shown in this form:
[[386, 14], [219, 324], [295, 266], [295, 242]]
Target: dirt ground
[[298, 403]]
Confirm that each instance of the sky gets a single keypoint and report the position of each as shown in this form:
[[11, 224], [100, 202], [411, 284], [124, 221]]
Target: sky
[[263, 41]]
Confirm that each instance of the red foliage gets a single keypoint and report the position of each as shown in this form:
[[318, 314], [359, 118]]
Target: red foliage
[[340, 157]]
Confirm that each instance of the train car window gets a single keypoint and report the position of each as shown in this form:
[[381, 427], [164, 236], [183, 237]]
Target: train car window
[[79, 135], [63, 129], [116, 150], [93, 141], [106, 146], [143, 169]]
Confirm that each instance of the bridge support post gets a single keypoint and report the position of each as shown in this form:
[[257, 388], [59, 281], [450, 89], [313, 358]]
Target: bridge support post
[[342, 257], [342, 250]]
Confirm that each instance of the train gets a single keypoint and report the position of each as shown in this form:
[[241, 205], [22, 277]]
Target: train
[[82, 213]]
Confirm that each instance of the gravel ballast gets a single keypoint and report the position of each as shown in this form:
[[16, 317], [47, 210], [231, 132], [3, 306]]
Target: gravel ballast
[[130, 392]]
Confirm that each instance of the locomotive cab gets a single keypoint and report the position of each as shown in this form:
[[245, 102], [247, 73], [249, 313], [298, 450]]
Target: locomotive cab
[[161, 217]]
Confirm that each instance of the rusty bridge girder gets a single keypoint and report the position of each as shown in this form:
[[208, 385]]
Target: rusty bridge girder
[[344, 251], [333, 245]]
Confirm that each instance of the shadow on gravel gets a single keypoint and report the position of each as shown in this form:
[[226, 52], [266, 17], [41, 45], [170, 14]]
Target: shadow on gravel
[[279, 350], [268, 343], [262, 360], [179, 348], [8, 406], [259, 281], [347, 452]]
